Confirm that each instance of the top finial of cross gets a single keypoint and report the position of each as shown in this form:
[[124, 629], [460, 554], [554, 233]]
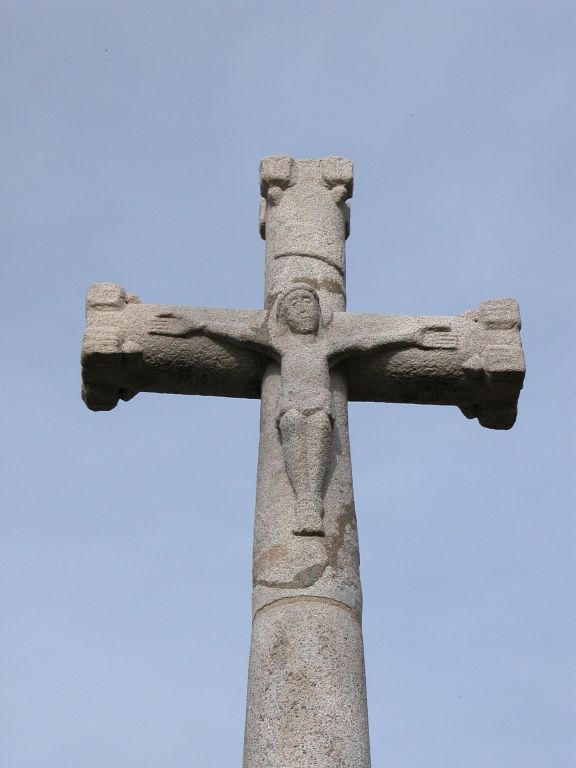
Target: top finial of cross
[[283, 171], [305, 220]]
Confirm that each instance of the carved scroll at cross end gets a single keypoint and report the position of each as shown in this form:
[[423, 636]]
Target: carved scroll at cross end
[[105, 349], [498, 366]]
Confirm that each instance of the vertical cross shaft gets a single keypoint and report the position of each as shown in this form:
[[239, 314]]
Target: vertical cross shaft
[[306, 687]]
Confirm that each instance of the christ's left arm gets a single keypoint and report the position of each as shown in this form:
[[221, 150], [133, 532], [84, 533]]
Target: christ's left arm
[[364, 333]]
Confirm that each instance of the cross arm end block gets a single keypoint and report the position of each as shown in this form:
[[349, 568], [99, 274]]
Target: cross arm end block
[[105, 348]]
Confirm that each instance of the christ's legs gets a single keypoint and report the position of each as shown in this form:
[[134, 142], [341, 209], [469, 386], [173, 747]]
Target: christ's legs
[[319, 436], [305, 443], [293, 431]]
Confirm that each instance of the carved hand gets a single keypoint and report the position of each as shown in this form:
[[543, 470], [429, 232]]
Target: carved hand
[[169, 324], [437, 337]]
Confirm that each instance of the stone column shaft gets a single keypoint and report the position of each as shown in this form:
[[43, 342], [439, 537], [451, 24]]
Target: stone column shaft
[[306, 684]]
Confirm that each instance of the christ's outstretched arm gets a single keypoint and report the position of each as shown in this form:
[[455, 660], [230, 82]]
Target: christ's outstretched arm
[[404, 332], [182, 326]]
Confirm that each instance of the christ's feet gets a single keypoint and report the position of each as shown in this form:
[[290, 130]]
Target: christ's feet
[[309, 513]]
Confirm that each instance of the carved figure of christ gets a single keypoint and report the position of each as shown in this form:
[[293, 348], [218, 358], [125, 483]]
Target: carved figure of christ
[[306, 348]]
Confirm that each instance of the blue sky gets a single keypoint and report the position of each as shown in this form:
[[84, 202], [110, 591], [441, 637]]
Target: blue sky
[[131, 136]]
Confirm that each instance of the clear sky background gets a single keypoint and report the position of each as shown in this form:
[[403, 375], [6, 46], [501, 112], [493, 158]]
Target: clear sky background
[[131, 136]]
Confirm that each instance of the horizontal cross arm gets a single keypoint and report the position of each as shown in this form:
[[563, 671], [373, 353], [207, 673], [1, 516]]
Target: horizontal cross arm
[[131, 347], [474, 361]]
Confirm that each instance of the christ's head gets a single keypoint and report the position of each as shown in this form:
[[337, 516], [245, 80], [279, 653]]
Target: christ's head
[[300, 309]]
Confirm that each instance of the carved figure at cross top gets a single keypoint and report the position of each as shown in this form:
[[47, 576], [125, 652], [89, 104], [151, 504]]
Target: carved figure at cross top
[[306, 347]]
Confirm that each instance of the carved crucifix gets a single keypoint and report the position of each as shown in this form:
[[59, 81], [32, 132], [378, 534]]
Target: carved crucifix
[[305, 357]]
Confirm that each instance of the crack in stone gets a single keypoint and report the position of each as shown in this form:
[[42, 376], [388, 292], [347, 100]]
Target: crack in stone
[[308, 599], [319, 256]]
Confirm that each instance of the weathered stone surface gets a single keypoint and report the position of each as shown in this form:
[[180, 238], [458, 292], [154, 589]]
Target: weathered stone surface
[[305, 356]]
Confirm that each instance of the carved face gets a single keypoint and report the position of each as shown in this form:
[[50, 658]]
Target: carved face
[[301, 311]]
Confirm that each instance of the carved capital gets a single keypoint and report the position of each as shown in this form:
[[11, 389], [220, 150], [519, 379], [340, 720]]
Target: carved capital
[[338, 172], [275, 171], [305, 220]]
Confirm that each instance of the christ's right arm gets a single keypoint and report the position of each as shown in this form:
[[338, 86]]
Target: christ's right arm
[[181, 326]]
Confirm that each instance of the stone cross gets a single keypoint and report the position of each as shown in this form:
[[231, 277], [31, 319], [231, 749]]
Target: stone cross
[[305, 357]]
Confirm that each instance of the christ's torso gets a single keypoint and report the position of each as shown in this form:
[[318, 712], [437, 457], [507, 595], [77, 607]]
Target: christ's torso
[[305, 375]]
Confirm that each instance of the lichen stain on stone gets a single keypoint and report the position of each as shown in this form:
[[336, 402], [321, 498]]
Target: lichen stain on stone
[[305, 578], [301, 563], [334, 542], [297, 564]]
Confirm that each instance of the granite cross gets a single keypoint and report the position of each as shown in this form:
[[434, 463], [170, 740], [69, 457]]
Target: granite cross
[[305, 357]]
